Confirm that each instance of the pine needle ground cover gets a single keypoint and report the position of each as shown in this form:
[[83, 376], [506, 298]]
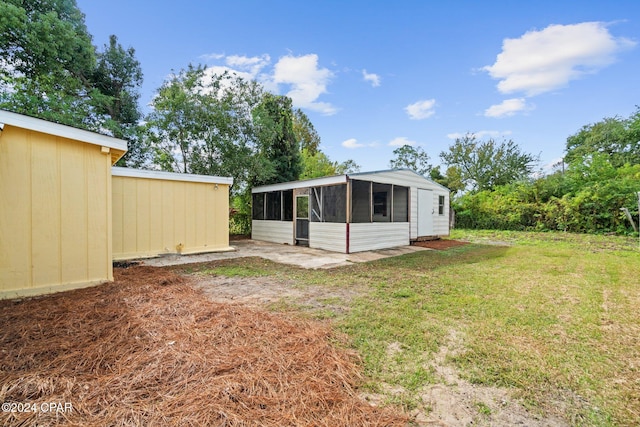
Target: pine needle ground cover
[[151, 350]]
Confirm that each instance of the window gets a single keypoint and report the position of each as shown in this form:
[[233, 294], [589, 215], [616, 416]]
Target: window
[[441, 205], [315, 204], [334, 202], [302, 207], [381, 202], [273, 206], [360, 201], [258, 206], [287, 205], [375, 202], [329, 204]]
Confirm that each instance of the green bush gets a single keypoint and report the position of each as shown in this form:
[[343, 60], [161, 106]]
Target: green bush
[[587, 199]]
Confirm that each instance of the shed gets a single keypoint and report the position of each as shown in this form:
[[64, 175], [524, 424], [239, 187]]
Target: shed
[[157, 213], [352, 213], [55, 206]]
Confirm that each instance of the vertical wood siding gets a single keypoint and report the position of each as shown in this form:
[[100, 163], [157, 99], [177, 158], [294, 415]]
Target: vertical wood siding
[[159, 216], [55, 231]]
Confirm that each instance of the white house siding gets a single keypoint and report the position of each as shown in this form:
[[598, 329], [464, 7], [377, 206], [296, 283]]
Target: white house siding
[[411, 179], [377, 235], [441, 222], [330, 236], [272, 231]]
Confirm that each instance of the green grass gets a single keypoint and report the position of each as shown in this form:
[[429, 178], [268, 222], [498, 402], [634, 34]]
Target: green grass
[[553, 316], [239, 267]]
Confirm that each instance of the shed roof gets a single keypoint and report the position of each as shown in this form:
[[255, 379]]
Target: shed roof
[[117, 147], [170, 176], [337, 179]]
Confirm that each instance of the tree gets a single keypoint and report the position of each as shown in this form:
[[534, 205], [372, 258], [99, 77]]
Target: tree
[[319, 165], [348, 166], [305, 133], [316, 165], [414, 158], [617, 138], [484, 165], [176, 122], [116, 80], [203, 124], [47, 61], [451, 179], [273, 119], [51, 70]]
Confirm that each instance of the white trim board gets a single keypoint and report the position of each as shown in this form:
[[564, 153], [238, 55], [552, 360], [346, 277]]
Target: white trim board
[[64, 131], [169, 176]]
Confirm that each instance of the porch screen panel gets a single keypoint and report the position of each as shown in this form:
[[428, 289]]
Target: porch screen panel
[[287, 205], [258, 206], [400, 204], [334, 203], [273, 206], [381, 202], [315, 204], [360, 201]]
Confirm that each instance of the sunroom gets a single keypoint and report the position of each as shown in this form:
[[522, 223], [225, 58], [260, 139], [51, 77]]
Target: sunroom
[[350, 213]]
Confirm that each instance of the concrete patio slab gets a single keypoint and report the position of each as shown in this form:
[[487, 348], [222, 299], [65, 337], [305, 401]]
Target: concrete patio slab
[[284, 254]]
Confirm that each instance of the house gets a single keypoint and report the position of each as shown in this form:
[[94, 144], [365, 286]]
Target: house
[[65, 214], [351, 213]]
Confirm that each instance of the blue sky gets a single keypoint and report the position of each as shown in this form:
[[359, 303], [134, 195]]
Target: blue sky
[[374, 75]]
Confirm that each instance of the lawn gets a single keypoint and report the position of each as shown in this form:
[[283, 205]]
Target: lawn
[[548, 320], [551, 317]]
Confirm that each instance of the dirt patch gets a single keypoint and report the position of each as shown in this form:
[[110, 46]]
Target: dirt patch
[[150, 349], [440, 244], [265, 291], [239, 237], [457, 402]]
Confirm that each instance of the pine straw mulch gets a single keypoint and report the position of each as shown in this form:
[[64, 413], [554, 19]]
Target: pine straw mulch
[[149, 349]]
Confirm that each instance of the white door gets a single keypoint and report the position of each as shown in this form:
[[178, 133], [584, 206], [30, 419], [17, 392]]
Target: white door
[[425, 212]]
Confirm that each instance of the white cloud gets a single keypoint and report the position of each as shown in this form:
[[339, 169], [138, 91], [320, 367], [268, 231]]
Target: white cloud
[[421, 109], [542, 61], [374, 79], [553, 165], [251, 64], [481, 134], [220, 69], [352, 143], [212, 56], [307, 81], [507, 108], [301, 75], [400, 141]]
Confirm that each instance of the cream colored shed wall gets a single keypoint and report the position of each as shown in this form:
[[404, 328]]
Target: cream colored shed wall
[[55, 213], [158, 216]]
